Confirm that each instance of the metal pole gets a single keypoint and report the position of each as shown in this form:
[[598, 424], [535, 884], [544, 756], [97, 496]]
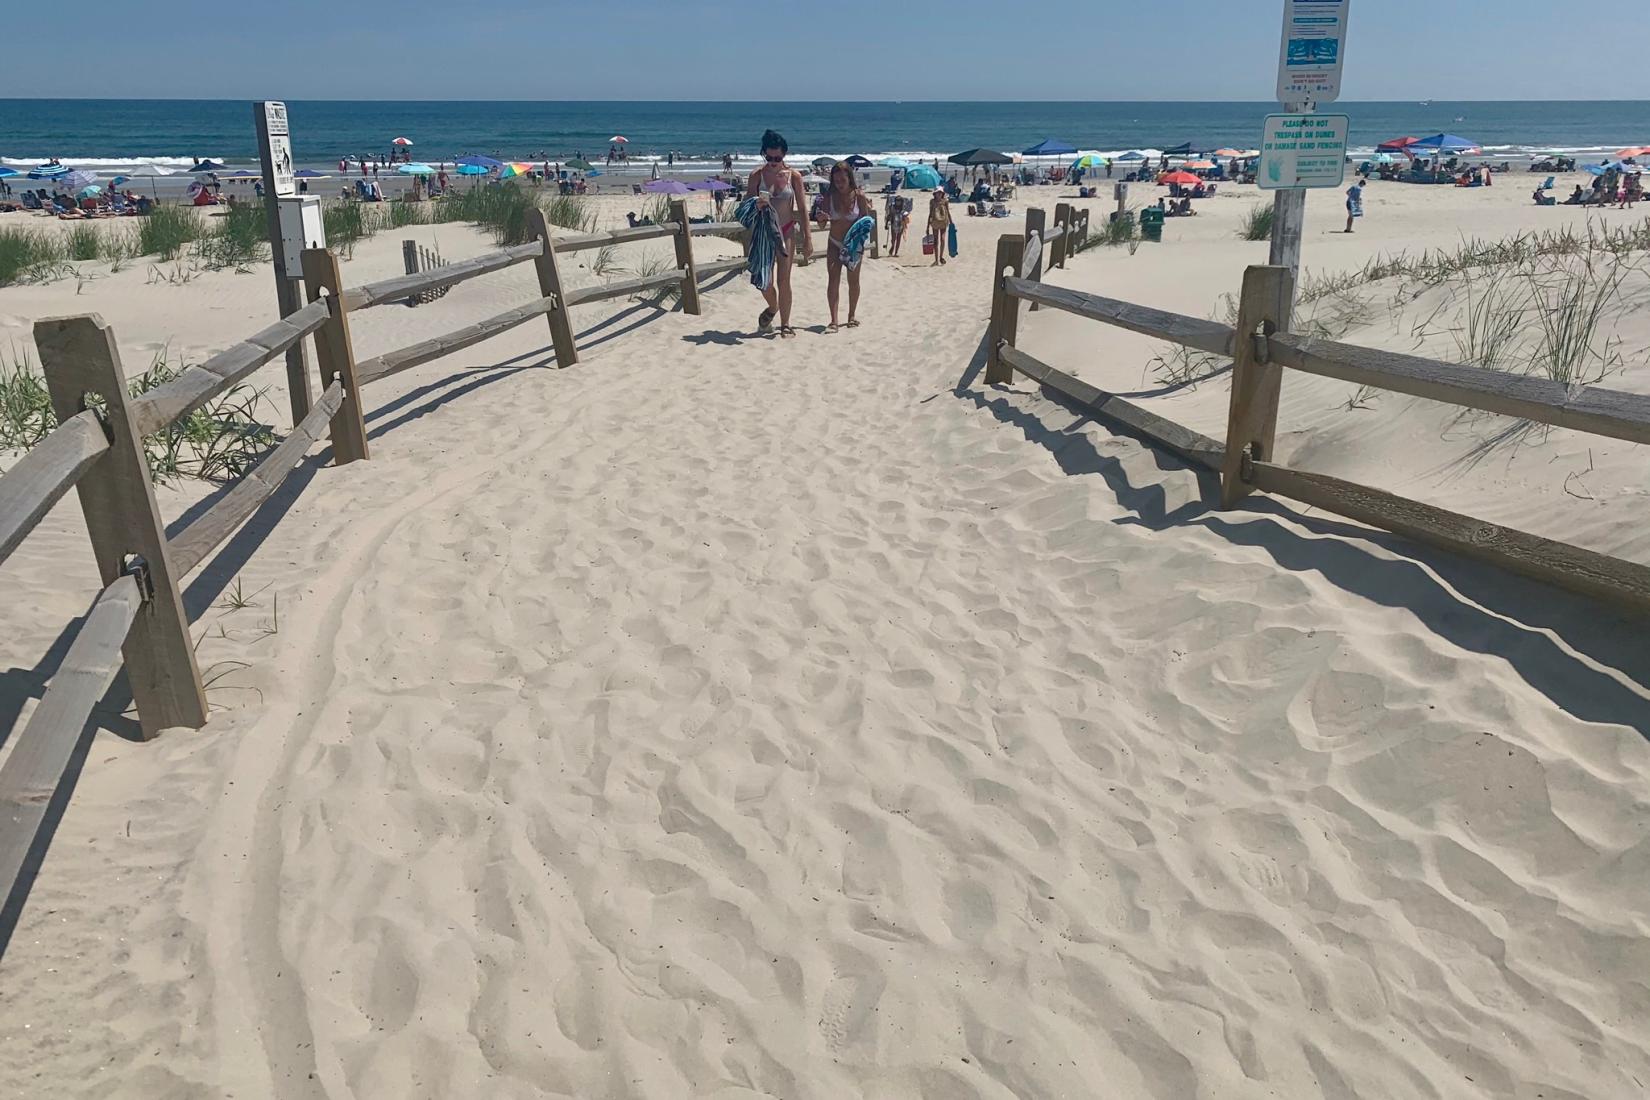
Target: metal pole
[[289, 288]]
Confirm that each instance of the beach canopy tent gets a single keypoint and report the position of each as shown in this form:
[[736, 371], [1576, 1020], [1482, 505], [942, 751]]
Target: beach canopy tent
[[208, 165], [479, 162], [415, 169], [401, 141], [921, 177], [49, 172], [971, 157], [711, 185], [243, 174], [1185, 179], [1184, 149], [667, 187], [1050, 147], [472, 170], [1442, 143], [1134, 154], [1396, 145]]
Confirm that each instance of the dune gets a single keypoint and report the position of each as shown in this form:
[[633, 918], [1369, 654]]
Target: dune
[[732, 717]]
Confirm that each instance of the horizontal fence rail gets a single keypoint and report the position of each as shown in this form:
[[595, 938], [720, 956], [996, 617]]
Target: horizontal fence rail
[[32, 772], [196, 386], [580, 242], [404, 286], [394, 362], [47, 471], [1262, 348]]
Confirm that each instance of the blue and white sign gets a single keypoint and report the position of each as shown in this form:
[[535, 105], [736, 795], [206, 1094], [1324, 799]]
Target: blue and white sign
[[1302, 151], [1313, 50]]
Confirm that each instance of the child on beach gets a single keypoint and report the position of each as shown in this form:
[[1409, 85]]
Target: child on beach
[[1354, 203]]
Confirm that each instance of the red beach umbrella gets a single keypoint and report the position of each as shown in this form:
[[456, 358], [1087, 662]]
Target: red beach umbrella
[[402, 141], [618, 139], [1185, 179]]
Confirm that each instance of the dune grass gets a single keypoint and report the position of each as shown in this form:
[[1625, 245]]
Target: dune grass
[[237, 239], [165, 230], [1257, 224], [25, 252]]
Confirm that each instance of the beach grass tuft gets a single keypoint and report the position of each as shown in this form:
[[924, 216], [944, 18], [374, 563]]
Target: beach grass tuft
[[26, 252], [82, 242], [25, 406], [1257, 224], [403, 213], [346, 223], [165, 230], [219, 441], [238, 239]]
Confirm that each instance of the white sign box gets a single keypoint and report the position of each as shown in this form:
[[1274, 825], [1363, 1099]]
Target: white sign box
[[1300, 151], [278, 149], [1313, 49], [301, 228]]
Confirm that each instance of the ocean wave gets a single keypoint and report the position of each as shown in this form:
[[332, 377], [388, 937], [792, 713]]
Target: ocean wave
[[101, 162]]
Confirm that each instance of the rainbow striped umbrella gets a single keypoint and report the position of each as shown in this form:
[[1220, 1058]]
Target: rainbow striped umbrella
[[515, 170]]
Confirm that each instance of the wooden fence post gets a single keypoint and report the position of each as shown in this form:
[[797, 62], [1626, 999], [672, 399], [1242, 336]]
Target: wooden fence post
[[684, 256], [337, 355], [1252, 421], [1036, 222], [79, 357], [1062, 245], [1005, 311], [549, 272]]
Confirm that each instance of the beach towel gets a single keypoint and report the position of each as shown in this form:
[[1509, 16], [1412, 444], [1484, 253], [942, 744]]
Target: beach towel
[[951, 239], [855, 240], [767, 243]]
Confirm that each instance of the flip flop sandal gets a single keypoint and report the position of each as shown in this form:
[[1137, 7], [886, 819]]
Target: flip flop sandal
[[764, 322], [832, 327], [786, 331], [852, 323]]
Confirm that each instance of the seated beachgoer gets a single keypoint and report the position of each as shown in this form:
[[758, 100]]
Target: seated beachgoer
[[1544, 199]]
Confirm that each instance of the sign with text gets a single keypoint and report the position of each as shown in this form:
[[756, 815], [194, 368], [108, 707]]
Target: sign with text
[[1313, 49], [1302, 151], [277, 149]]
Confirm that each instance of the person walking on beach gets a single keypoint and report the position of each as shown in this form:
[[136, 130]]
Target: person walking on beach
[[897, 217], [1354, 203], [778, 188], [939, 222], [843, 205]]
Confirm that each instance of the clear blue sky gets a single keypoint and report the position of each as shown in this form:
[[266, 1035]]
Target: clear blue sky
[[853, 49]]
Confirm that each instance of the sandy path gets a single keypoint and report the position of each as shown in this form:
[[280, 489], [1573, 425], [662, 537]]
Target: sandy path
[[737, 719]]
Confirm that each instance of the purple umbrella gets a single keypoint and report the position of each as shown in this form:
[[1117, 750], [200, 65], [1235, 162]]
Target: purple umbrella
[[667, 187], [711, 185]]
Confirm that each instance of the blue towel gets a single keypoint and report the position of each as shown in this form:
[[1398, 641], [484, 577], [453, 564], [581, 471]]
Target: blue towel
[[951, 239], [767, 243], [855, 240]]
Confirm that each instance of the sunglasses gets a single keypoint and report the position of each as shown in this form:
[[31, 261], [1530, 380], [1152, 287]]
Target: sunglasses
[[774, 158]]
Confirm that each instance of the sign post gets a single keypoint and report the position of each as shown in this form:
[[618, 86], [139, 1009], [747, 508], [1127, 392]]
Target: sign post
[[275, 153], [1310, 59]]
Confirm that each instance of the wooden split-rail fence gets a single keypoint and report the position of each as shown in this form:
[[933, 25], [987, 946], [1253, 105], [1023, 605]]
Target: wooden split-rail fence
[[97, 449], [1262, 347]]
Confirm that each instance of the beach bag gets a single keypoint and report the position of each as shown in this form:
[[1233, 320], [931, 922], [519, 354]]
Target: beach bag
[[951, 239], [928, 244]]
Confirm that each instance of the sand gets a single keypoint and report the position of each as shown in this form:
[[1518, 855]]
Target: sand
[[739, 718]]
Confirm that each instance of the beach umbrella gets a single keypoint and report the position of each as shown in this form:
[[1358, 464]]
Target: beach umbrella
[[1051, 147], [152, 170], [209, 165], [471, 170], [4, 172], [922, 177], [858, 161], [415, 169], [894, 162], [510, 171], [1133, 154], [401, 141], [88, 191], [1227, 154], [1442, 143], [479, 162], [580, 164], [1632, 151], [49, 172], [711, 185], [670, 187], [618, 139], [1089, 160], [823, 163], [1200, 165], [1396, 145], [1185, 179], [310, 174], [78, 178], [971, 157], [1384, 158]]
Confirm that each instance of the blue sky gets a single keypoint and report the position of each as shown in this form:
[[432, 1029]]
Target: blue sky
[[848, 49]]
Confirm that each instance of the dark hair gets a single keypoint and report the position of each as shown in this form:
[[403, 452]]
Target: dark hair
[[773, 139]]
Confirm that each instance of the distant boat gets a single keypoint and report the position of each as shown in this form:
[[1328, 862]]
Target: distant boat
[[1426, 103]]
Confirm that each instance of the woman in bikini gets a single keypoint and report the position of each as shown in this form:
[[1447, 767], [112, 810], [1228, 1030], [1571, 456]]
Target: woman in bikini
[[779, 187], [843, 204], [939, 220]]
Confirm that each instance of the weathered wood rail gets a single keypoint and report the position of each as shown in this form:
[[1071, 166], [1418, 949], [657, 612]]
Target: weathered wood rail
[[138, 621], [1261, 351]]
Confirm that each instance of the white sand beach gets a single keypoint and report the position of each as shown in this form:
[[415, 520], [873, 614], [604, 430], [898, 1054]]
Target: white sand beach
[[734, 717]]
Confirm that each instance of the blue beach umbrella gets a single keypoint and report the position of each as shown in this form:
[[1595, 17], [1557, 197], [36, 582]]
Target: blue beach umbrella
[[471, 170], [209, 165], [1133, 155], [894, 162], [1443, 143], [4, 172], [415, 169], [479, 162], [1050, 147], [88, 191], [49, 172]]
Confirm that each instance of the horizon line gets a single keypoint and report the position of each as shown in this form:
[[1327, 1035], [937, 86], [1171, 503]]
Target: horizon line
[[966, 102]]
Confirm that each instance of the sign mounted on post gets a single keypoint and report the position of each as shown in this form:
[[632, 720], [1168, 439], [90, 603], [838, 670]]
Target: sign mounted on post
[[1314, 47], [1302, 151], [277, 150]]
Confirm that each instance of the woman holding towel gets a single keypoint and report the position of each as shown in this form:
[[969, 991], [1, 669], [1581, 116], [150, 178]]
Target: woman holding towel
[[851, 219], [778, 189]]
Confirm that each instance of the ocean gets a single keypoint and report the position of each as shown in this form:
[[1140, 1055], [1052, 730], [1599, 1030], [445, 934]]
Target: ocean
[[108, 135]]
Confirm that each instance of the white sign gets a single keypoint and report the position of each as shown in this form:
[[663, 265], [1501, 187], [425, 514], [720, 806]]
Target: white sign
[[1300, 151], [1314, 46], [278, 149]]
